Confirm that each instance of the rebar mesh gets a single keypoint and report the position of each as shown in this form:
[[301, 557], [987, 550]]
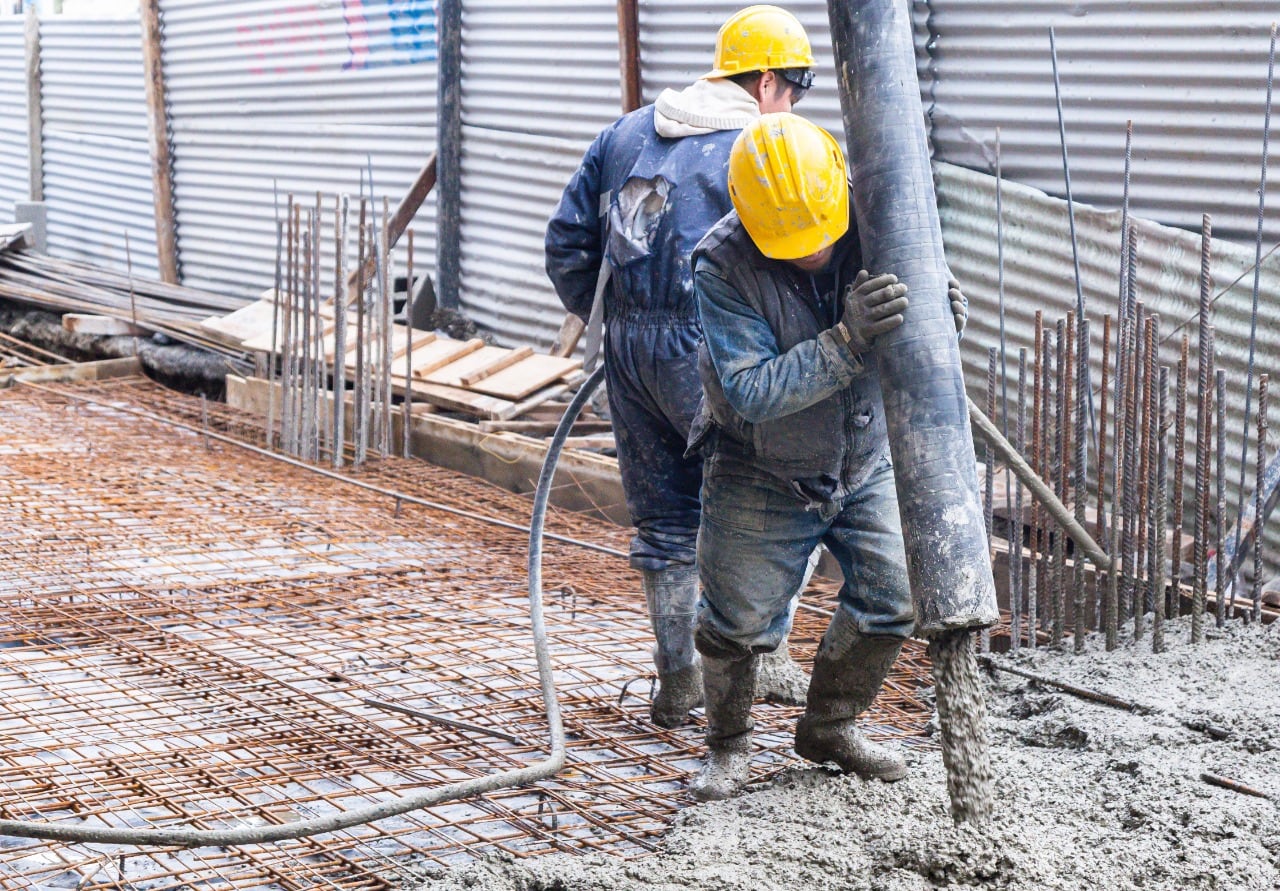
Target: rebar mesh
[[198, 635]]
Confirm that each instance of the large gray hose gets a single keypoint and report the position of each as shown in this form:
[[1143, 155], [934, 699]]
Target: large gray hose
[[919, 363], [249, 835]]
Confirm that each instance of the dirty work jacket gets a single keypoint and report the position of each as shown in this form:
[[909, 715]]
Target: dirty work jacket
[[641, 202], [783, 396]]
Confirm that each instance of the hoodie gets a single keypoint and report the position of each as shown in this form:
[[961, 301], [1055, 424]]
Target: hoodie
[[703, 107]]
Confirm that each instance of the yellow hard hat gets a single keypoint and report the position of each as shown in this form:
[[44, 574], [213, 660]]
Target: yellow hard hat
[[760, 38], [790, 185]]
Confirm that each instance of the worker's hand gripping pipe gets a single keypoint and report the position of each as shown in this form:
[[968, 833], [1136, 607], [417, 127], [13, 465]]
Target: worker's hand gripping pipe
[[253, 835]]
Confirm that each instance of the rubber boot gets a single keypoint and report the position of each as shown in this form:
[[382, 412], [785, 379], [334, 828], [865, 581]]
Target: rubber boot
[[781, 679], [672, 595], [847, 674], [730, 684]]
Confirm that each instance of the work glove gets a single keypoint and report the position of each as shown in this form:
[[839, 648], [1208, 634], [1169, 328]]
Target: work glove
[[873, 305], [959, 304]]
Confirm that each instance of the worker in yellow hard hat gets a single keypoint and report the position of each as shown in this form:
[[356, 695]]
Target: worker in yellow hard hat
[[648, 189], [796, 449]]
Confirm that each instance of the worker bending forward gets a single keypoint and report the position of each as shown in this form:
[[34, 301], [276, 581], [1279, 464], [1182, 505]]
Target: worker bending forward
[[796, 450], [649, 187]]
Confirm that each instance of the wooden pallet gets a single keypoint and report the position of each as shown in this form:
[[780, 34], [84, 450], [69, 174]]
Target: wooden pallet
[[467, 376]]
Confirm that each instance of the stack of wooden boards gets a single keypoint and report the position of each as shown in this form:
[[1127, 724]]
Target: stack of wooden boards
[[466, 376]]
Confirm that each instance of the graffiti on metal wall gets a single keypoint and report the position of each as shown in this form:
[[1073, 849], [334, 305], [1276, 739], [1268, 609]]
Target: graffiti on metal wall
[[376, 34]]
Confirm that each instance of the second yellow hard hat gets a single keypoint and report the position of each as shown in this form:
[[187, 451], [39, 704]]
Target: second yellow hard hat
[[790, 185]]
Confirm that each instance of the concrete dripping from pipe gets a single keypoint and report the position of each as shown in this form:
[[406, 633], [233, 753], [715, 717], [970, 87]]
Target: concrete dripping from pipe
[[920, 374]]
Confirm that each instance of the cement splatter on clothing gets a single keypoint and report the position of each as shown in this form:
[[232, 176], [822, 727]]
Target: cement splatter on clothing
[[1086, 796]]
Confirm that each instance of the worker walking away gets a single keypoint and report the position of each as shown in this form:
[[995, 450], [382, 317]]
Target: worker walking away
[[796, 450], [648, 188]]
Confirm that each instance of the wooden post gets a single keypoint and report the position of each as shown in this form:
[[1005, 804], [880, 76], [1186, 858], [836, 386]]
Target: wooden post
[[629, 53], [449, 153], [161, 154], [35, 112]]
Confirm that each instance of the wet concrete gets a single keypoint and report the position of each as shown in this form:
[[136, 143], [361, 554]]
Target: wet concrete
[[1086, 796]]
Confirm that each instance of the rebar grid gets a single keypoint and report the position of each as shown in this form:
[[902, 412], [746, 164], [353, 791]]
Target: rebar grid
[[196, 634]]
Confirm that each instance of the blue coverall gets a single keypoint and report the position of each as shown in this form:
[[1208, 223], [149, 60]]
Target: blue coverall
[[641, 202]]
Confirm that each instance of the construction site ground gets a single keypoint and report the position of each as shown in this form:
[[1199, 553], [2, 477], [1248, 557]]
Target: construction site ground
[[200, 635], [1088, 796]]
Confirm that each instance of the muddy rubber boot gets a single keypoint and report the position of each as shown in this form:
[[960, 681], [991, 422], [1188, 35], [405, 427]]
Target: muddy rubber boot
[[672, 595], [780, 678], [847, 675], [730, 685]]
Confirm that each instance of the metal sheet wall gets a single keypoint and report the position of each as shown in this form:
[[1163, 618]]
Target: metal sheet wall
[[1039, 275], [267, 99], [97, 163], [1191, 76], [678, 39], [13, 116], [539, 81]]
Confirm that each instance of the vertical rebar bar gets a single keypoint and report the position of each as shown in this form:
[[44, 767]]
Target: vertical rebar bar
[[989, 477], [308, 320], [286, 346], [1100, 523], [1128, 541], [1147, 545], [1220, 478], [1015, 523], [1034, 567], [1160, 433], [1204, 421], [386, 288], [1259, 517], [1179, 474], [408, 346], [339, 329], [1083, 407], [360, 428], [1081, 313], [320, 416], [1048, 431], [272, 376], [1066, 400]]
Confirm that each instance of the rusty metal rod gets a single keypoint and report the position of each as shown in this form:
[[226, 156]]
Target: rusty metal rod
[[1179, 472], [1159, 435], [1260, 516], [1204, 374]]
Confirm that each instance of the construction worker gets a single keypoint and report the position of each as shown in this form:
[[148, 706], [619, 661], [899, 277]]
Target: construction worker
[[648, 188], [796, 449]]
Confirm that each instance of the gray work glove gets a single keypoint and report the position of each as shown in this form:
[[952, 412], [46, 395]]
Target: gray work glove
[[959, 304], [873, 305]]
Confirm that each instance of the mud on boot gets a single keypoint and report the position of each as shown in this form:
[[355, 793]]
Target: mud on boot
[[730, 687], [672, 597], [678, 692], [847, 674], [780, 678], [844, 745]]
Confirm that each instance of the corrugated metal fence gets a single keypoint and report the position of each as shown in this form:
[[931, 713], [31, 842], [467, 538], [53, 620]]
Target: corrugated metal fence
[[1190, 75], [13, 116], [267, 99], [539, 80], [97, 163]]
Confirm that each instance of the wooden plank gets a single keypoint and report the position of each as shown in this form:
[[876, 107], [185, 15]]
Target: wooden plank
[[511, 358], [567, 339], [99, 326], [440, 352], [527, 376], [80, 371], [459, 400], [451, 375], [245, 323], [402, 339]]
